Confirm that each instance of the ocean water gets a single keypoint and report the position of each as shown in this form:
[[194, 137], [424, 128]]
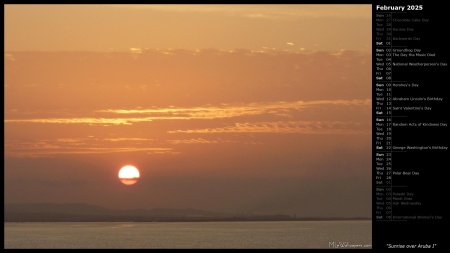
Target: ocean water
[[131, 235]]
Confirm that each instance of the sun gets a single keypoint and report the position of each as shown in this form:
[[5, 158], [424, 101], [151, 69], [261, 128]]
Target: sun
[[129, 175]]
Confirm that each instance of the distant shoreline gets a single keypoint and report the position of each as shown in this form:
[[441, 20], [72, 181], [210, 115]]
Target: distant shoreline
[[77, 212]]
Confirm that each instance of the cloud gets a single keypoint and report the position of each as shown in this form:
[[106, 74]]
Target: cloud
[[127, 139], [280, 108], [60, 146], [90, 121], [230, 111], [52, 151], [303, 127], [9, 57], [268, 11], [200, 141], [69, 140]]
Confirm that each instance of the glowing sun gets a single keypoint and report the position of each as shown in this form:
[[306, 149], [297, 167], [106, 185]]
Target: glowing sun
[[129, 175]]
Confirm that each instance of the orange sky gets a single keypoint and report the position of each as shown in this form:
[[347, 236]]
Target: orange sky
[[120, 27], [250, 108]]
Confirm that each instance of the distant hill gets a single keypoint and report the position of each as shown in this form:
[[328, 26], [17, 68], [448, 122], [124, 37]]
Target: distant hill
[[78, 212], [86, 212], [82, 209]]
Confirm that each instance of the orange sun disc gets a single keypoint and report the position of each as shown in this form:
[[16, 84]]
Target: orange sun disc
[[129, 175]]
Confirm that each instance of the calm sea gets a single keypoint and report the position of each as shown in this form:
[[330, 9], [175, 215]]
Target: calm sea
[[271, 234]]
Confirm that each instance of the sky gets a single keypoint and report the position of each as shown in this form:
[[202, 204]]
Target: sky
[[261, 109]]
